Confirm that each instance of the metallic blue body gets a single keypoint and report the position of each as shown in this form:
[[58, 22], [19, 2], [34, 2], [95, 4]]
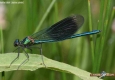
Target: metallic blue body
[[62, 30], [73, 36]]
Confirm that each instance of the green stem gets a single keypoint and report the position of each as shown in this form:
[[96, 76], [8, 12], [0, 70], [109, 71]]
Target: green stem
[[109, 60], [97, 51], [103, 25], [45, 15], [2, 49], [90, 27], [2, 41]]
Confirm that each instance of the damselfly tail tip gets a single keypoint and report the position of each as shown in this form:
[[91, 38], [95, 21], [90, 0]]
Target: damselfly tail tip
[[99, 30]]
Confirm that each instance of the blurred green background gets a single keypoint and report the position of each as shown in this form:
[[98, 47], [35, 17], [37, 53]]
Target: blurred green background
[[20, 20]]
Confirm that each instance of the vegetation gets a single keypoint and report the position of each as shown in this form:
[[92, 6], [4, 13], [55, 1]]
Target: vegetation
[[90, 53]]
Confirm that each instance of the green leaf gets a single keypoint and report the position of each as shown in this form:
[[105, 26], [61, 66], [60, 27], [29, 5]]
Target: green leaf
[[35, 62]]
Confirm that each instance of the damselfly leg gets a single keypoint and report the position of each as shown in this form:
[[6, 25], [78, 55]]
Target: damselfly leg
[[17, 55], [26, 60], [42, 55], [40, 48]]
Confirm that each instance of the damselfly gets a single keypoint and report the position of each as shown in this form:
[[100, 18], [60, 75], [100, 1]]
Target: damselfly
[[62, 30]]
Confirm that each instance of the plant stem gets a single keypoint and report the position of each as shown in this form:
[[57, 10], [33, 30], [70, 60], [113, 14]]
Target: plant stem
[[2, 49], [45, 15], [90, 27]]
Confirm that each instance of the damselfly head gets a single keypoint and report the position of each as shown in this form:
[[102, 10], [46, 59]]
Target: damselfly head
[[16, 42]]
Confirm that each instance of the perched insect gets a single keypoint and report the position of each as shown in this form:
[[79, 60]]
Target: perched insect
[[62, 30]]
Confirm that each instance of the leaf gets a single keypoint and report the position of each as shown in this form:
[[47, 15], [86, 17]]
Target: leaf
[[35, 62]]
